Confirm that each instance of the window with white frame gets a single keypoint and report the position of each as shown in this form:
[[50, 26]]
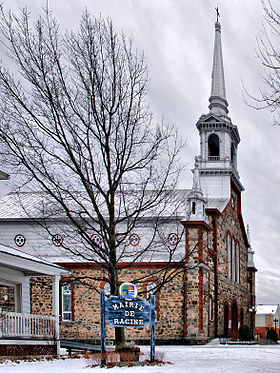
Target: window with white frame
[[151, 290], [66, 302], [229, 255]]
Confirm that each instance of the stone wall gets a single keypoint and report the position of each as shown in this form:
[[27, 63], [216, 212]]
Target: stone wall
[[86, 305]]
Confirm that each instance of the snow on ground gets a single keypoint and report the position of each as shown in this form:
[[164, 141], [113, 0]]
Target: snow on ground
[[211, 358]]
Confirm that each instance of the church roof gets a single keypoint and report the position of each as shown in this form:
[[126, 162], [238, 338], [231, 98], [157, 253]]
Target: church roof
[[35, 205], [32, 205], [217, 203]]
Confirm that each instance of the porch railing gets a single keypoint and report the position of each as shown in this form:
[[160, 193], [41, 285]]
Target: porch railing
[[22, 325]]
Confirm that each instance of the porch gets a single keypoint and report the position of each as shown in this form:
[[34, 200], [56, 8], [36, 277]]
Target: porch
[[22, 333]]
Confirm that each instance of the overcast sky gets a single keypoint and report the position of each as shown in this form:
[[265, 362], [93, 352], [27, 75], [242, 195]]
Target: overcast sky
[[177, 37]]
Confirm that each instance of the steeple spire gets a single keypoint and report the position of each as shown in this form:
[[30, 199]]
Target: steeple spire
[[218, 102], [250, 262]]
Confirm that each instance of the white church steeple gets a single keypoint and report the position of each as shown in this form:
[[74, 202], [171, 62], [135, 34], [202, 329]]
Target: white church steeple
[[250, 250], [219, 138], [218, 102]]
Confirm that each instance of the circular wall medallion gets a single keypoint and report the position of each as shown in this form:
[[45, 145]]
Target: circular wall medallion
[[134, 239], [57, 240], [96, 239], [19, 240], [173, 239]]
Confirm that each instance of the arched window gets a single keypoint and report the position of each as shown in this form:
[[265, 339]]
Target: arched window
[[237, 262], [233, 155], [106, 287], [193, 207], [233, 259], [210, 308], [229, 255], [151, 288], [214, 147], [107, 290]]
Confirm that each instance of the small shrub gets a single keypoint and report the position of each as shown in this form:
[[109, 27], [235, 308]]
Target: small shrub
[[245, 333], [272, 334]]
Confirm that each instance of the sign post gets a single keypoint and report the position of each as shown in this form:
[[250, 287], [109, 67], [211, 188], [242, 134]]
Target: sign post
[[126, 311], [103, 329], [153, 316]]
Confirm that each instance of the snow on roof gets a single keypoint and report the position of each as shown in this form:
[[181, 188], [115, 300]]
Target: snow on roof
[[20, 254], [217, 203], [35, 205], [267, 308]]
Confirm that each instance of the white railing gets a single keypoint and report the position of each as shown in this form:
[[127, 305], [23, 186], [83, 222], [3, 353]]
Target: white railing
[[23, 325], [213, 158]]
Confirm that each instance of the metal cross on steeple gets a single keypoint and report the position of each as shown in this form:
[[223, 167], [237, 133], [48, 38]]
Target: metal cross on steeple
[[218, 14]]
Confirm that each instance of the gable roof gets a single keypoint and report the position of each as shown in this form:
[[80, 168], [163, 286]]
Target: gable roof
[[29, 264], [267, 309]]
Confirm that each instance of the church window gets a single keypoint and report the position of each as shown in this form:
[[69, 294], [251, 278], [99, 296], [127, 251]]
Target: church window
[[233, 259], [214, 147], [151, 288], [233, 155], [66, 302], [237, 262], [107, 290], [210, 308], [193, 207], [229, 255]]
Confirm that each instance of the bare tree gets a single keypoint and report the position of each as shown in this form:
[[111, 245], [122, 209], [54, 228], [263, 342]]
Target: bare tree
[[269, 55], [76, 126]]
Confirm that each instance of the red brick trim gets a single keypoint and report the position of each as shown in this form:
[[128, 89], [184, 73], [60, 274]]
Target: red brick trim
[[196, 224], [88, 265], [187, 233], [216, 282], [186, 324], [200, 300], [213, 212]]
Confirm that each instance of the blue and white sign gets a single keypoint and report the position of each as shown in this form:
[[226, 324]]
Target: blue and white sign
[[120, 312]]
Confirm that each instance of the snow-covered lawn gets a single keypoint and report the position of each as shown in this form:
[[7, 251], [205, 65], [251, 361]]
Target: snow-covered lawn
[[186, 359]]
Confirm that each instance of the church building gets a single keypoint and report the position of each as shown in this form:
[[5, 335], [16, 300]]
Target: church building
[[212, 294]]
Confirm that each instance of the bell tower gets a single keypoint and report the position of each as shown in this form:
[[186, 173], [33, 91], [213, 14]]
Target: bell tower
[[219, 138]]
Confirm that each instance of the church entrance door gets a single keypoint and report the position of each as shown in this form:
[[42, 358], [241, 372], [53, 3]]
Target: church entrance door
[[234, 318], [226, 320]]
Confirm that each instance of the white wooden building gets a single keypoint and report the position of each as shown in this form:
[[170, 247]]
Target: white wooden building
[[22, 333]]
